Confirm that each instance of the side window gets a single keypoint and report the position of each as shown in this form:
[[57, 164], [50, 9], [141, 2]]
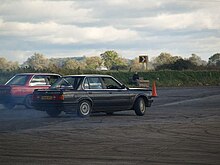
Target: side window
[[52, 79], [111, 83], [86, 84], [93, 83], [18, 80], [39, 80]]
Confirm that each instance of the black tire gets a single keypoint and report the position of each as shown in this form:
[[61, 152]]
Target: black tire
[[84, 108], [9, 105], [109, 113], [53, 112], [140, 106], [28, 102]]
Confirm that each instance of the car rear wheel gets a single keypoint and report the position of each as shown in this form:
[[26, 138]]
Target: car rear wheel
[[109, 113], [53, 112], [28, 101], [140, 107], [84, 108]]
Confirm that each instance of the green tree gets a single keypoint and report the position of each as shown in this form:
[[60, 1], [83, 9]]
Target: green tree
[[8, 65], [214, 59], [179, 64], [72, 64], [3, 63], [37, 62], [121, 64], [53, 67], [93, 62], [164, 58], [197, 60], [182, 64], [218, 64], [112, 60], [135, 65]]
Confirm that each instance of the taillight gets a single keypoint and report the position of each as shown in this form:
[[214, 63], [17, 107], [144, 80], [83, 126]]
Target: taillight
[[58, 97], [35, 97]]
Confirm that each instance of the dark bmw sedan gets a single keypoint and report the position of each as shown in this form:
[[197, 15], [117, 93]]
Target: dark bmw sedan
[[86, 94]]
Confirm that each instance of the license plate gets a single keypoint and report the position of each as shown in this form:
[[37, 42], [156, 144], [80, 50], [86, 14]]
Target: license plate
[[46, 97]]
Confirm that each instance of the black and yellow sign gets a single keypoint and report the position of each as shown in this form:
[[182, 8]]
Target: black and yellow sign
[[143, 59]]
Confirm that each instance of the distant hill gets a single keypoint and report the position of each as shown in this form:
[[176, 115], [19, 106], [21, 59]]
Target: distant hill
[[68, 58], [61, 61], [58, 61]]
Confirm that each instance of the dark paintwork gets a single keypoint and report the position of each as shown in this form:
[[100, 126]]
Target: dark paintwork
[[102, 100]]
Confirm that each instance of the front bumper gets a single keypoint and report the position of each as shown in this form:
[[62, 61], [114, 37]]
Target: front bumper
[[149, 102]]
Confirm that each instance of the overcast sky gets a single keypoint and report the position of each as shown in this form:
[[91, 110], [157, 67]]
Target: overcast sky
[[58, 28]]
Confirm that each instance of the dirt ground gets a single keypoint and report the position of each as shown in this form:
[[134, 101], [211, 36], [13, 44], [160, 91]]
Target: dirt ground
[[181, 128]]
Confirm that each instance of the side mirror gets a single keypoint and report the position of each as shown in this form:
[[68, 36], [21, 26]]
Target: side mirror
[[124, 87]]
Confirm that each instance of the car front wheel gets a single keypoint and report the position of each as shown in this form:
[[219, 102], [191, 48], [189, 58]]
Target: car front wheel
[[28, 101], [140, 107], [84, 108]]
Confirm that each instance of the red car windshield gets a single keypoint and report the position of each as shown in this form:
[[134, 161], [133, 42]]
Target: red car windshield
[[18, 80]]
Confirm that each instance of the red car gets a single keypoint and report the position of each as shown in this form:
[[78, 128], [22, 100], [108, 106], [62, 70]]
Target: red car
[[19, 89]]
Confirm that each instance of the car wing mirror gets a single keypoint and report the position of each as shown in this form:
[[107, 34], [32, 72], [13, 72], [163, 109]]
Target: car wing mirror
[[124, 87]]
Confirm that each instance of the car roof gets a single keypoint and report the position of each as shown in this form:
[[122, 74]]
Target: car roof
[[54, 74], [88, 75]]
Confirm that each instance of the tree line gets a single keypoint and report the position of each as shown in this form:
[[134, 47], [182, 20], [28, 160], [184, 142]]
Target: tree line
[[111, 60]]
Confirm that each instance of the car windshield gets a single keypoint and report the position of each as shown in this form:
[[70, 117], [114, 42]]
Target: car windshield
[[67, 82], [18, 80]]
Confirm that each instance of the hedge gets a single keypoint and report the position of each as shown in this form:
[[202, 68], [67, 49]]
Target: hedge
[[162, 78]]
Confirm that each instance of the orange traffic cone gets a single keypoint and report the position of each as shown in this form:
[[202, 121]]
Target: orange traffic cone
[[154, 90]]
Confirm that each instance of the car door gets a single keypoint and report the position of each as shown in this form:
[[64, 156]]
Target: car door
[[95, 90], [119, 97]]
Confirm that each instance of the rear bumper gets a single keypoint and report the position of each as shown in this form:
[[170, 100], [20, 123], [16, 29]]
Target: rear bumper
[[66, 107]]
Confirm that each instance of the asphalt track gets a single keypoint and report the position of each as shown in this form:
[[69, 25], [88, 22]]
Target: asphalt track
[[181, 128]]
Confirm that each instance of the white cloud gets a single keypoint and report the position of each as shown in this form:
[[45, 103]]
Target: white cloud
[[52, 32], [16, 55], [195, 21], [137, 4], [55, 27], [41, 11]]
